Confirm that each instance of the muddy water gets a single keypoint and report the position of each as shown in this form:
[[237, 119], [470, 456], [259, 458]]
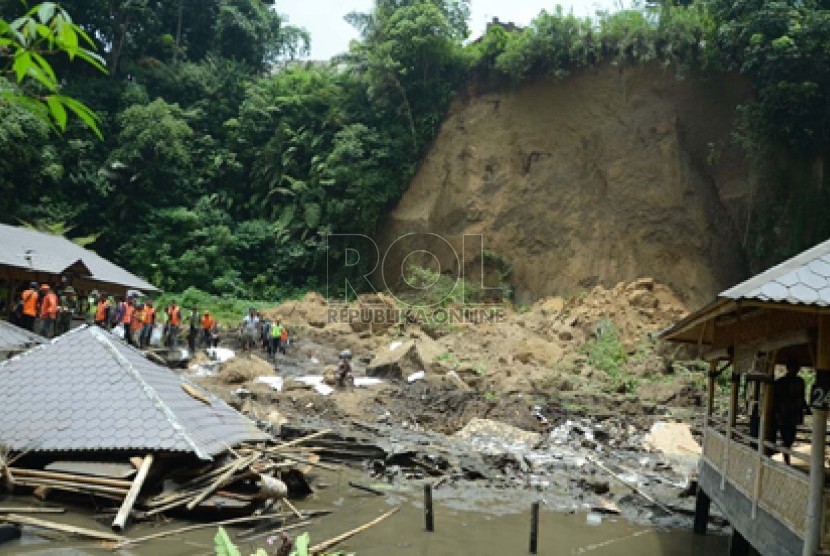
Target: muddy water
[[469, 520]]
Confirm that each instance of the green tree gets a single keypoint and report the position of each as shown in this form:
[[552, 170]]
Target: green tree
[[27, 79]]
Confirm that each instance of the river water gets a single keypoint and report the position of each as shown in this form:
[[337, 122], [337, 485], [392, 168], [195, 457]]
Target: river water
[[468, 521]]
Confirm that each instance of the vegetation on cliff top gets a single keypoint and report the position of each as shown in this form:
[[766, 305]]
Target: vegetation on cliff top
[[226, 163]]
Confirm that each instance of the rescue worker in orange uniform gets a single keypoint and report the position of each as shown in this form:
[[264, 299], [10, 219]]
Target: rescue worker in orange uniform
[[136, 324], [48, 311], [148, 321], [208, 327], [127, 320], [102, 311], [29, 298], [174, 322]]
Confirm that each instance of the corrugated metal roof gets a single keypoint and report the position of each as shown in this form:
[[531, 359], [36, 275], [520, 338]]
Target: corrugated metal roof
[[86, 390], [39, 251], [13, 338], [803, 279]]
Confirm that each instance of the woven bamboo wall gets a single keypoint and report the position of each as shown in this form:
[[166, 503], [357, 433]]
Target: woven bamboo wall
[[713, 448], [742, 468], [785, 496]]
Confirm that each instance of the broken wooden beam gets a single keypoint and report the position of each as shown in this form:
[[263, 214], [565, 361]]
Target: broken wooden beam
[[222, 480], [129, 501]]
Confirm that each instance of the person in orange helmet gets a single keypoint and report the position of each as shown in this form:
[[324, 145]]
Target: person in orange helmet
[[208, 328], [48, 311], [29, 298]]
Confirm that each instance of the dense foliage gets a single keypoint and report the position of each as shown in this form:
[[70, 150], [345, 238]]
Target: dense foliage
[[226, 163]]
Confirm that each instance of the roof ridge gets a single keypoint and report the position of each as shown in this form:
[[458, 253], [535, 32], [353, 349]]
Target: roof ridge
[[774, 273], [150, 392]]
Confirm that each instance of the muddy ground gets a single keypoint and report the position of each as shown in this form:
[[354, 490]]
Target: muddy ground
[[558, 398]]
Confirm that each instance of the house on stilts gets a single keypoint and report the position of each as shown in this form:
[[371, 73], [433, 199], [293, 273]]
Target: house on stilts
[[747, 335]]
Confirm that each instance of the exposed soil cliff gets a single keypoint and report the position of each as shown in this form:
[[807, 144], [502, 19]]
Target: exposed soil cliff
[[605, 177]]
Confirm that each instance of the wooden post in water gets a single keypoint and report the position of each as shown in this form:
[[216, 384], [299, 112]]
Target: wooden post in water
[[702, 503], [534, 527], [428, 515]]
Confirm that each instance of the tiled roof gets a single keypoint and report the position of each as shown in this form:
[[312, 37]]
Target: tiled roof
[[86, 390], [13, 338], [803, 279], [39, 251]]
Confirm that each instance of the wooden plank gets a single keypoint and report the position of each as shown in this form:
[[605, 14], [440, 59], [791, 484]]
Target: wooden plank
[[129, 501], [105, 469]]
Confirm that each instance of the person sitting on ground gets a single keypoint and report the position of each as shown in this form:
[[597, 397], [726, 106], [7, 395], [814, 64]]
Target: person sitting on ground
[[789, 405], [344, 369]]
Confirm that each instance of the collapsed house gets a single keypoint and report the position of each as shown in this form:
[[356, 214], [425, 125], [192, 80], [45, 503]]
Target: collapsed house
[[86, 413], [14, 340]]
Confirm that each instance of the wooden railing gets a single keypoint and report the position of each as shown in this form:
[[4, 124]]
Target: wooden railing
[[780, 490]]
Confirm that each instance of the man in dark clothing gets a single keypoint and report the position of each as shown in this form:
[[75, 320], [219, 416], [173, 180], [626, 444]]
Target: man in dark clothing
[[193, 330], [344, 369], [789, 405]]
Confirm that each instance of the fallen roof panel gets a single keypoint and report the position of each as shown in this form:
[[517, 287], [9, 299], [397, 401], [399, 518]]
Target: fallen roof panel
[[86, 391]]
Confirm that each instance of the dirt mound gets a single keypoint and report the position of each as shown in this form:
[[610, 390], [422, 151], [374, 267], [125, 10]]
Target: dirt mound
[[243, 368], [311, 310], [636, 309]]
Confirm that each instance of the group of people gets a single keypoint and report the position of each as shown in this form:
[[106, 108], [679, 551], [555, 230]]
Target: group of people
[[139, 320], [271, 335], [41, 310]]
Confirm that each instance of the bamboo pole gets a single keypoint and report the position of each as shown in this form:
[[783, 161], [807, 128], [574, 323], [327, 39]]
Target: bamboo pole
[[815, 503], [325, 545], [35, 522], [223, 478], [70, 477], [67, 485], [123, 513], [30, 510]]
